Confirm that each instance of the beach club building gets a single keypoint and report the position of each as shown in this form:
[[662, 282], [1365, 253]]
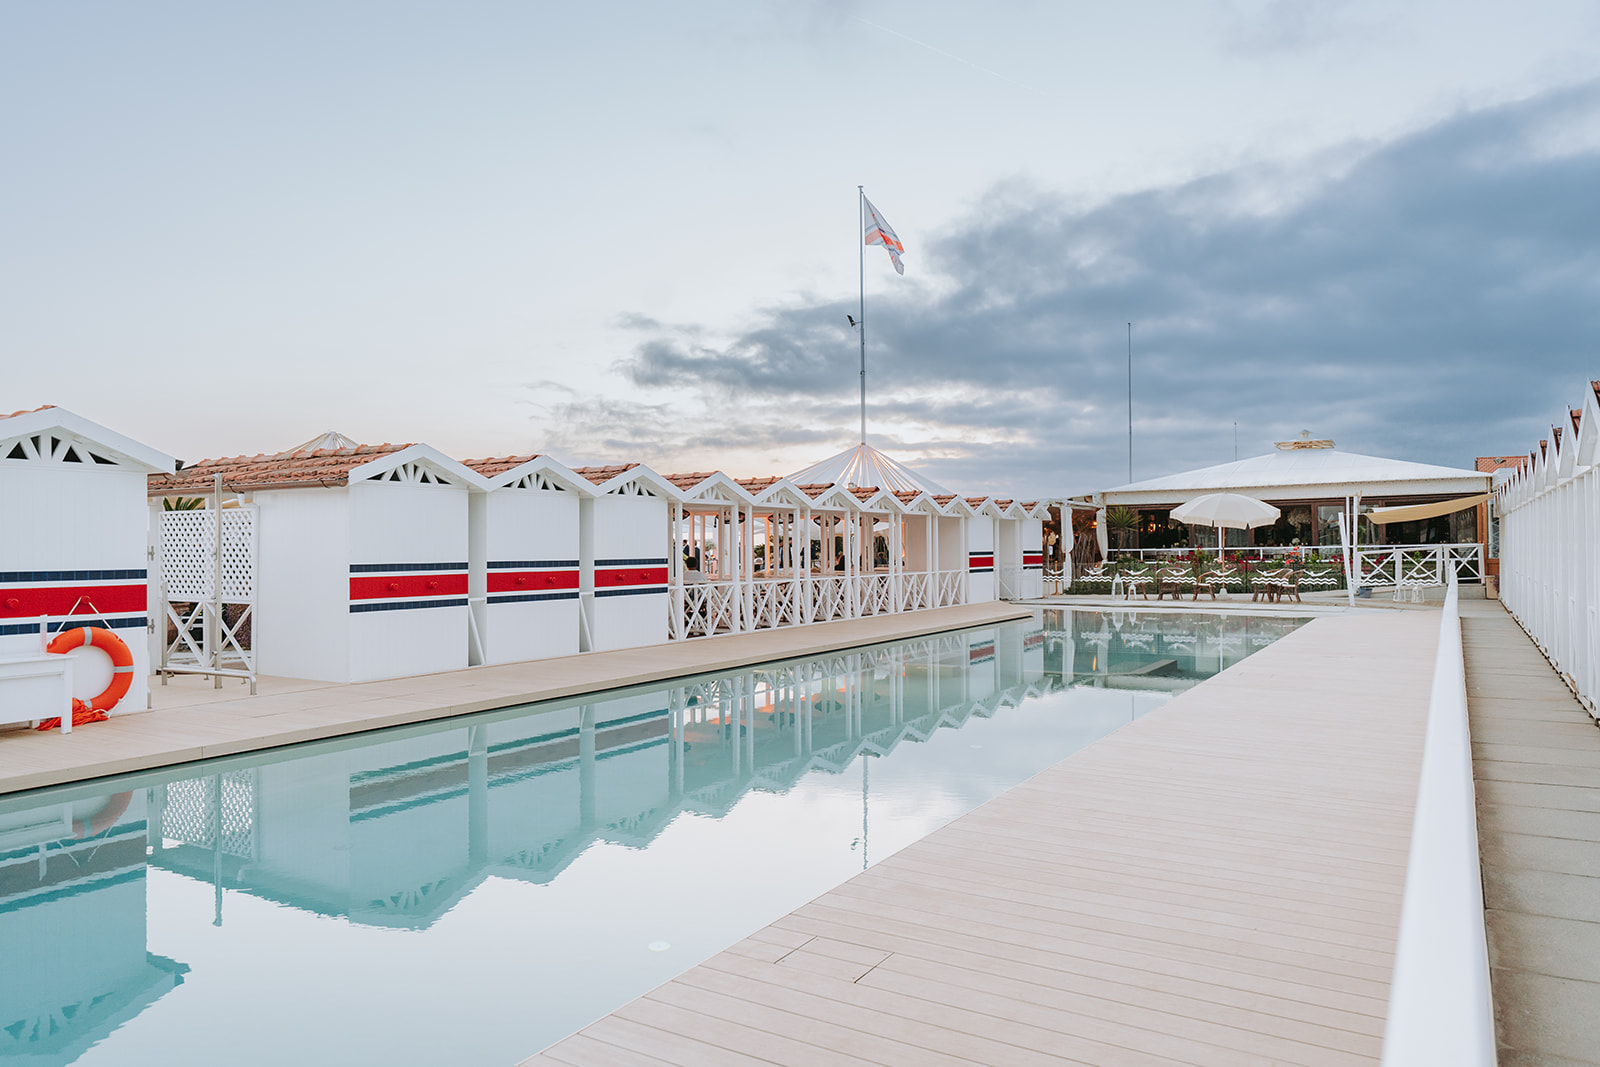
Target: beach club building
[[1311, 483]]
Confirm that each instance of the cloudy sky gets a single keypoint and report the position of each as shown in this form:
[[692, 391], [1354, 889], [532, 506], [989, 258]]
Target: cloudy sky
[[628, 231]]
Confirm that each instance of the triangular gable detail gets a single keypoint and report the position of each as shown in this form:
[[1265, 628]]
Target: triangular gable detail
[[56, 435], [419, 465]]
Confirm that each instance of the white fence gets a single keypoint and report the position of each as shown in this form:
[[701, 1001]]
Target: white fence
[[1550, 569], [1440, 1009], [701, 609]]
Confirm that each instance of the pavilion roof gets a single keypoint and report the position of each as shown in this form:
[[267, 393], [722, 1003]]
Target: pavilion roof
[[1303, 467]]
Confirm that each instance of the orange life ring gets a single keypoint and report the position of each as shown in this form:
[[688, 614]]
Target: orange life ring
[[121, 662]]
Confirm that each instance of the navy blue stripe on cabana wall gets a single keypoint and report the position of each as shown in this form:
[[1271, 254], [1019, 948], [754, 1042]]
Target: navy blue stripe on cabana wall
[[121, 623], [72, 576], [654, 561], [523, 598], [376, 568], [404, 605], [631, 592], [530, 564]]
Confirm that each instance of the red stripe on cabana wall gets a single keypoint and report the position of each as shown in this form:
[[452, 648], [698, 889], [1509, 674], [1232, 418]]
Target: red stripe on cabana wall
[[604, 579], [531, 581], [383, 586], [17, 602], [980, 561]]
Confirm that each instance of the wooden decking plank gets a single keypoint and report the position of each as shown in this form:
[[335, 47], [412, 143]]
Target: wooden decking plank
[[1216, 882]]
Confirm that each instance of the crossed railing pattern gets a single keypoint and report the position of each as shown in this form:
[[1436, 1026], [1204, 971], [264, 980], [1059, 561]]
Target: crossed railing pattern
[[1418, 565], [706, 608]]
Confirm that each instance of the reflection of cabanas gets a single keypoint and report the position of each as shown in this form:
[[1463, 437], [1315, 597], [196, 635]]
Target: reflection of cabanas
[[72, 920]]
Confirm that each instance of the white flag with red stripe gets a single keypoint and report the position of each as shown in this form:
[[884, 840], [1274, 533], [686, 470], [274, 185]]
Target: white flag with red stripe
[[879, 232]]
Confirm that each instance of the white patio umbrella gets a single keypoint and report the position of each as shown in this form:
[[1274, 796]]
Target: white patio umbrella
[[1231, 511]]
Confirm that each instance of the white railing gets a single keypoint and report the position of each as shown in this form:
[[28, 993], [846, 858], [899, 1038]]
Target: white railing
[[775, 602], [1550, 568], [710, 607], [951, 588], [830, 598], [1440, 1008], [874, 595], [704, 608], [1008, 583], [1418, 565]]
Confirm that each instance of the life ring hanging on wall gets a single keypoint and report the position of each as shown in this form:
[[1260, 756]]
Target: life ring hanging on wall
[[121, 663]]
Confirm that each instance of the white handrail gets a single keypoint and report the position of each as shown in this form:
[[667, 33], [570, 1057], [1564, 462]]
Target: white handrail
[[1440, 1008]]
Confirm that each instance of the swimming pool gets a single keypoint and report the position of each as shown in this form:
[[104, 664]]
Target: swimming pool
[[468, 892]]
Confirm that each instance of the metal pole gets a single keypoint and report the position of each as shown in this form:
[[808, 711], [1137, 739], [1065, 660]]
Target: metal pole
[[1130, 401], [861, 326]]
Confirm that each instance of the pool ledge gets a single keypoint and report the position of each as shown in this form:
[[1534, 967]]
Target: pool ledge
[[193, 722]]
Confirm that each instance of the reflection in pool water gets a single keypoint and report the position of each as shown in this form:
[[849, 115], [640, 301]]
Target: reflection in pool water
[[470, 891]]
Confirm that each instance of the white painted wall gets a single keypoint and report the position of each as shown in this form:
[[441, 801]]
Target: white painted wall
[[397, 522], [980, 539], [302, 627], [527, 525], [629, 527], [75, 517]]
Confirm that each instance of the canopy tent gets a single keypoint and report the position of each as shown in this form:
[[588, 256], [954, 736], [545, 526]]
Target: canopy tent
[[1410, 512], [864, 466]]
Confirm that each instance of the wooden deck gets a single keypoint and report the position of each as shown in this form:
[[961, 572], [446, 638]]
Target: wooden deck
[[1536, 760], [193, 721], [1216, 883]]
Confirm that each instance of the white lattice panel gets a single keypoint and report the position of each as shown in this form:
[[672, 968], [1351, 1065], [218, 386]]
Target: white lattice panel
[[188, 548]]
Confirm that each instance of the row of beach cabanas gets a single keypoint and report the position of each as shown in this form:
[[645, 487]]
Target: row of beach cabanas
[[345, 562]]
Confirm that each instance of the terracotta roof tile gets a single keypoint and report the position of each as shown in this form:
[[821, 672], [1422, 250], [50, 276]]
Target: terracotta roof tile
[[944, 501], [28, 411], [1488, 464], [689, 480], [755, 486], [280, 470], [601, 475], [499, 464]]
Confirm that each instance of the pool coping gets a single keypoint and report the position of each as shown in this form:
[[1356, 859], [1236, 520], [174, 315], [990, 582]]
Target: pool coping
[[318, 711]]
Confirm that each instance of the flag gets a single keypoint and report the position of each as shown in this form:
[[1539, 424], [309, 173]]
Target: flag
[[879, 232]]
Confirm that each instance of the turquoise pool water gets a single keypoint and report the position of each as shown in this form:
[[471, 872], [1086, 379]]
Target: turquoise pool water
[[468, 892]]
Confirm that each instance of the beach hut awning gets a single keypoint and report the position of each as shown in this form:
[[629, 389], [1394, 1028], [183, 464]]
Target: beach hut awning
[[1412, 512]]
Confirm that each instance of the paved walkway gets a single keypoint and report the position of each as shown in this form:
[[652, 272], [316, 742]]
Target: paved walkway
[[1216, 883], [1536, 758], [204, 723]]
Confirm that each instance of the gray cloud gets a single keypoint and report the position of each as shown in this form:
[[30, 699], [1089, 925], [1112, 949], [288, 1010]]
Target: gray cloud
[[1436, 299]]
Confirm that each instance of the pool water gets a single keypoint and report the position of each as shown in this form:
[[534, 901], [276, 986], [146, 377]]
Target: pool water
[[469, 892]]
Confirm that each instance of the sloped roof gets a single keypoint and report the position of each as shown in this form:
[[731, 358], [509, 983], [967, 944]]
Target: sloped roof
[[48, 418], [865, 466], [280, 470], [602, 475], [494, 465], [1304, 467]]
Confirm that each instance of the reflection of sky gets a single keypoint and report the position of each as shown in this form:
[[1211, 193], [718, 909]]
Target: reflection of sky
[[513, 964]]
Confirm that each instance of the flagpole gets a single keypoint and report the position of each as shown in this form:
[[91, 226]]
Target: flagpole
[[861, 250]]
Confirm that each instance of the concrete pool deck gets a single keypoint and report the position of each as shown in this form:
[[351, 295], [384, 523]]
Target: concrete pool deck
[[194, 721], [1218, 882]]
